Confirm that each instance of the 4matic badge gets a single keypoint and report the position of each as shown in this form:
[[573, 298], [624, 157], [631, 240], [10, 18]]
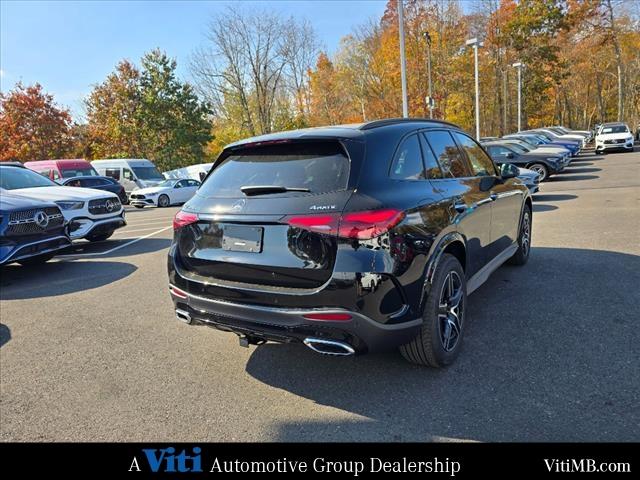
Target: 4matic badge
[[322, 207]]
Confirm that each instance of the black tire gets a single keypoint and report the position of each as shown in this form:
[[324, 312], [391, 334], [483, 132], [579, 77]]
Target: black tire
[[542, 170], [100, 237], [163, 201], [428, 347], [40, 259], [139, 206], [524, 238]]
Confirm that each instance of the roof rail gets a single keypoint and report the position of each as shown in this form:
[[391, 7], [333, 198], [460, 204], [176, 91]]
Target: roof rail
[[393, 121]]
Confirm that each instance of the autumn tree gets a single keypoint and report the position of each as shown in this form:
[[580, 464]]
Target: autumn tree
[[113, 112], [32, 126]]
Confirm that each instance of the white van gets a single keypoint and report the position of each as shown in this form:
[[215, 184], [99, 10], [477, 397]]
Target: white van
[[131, 173]]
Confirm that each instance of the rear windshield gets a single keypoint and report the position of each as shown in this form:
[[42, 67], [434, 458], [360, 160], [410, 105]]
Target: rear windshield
[[318, 167]]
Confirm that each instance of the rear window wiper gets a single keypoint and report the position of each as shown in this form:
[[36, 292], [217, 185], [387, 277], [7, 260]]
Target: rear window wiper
[[250, 190]]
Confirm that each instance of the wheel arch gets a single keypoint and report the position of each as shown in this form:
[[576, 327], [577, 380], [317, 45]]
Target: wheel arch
[[452, 243]]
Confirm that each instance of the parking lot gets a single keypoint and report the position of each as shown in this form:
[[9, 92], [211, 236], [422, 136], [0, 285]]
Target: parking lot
[[90, 348]]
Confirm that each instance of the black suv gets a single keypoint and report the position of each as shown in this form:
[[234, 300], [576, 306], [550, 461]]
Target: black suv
[[349, 239]]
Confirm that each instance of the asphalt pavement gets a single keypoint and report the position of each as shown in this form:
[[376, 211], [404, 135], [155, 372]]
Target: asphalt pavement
[[90, 349]]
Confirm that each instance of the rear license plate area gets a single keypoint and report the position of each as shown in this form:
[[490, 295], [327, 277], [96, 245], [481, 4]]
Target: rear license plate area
[[242, 238]]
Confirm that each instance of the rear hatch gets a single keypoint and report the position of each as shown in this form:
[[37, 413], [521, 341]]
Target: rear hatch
[[267, 215]]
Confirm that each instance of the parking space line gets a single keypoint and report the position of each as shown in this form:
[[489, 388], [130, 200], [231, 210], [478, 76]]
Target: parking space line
[[94, 254], [166, 220], [125, 231]]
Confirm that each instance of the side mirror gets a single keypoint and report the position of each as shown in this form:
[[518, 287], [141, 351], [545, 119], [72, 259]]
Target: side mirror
[[510, 155], [508, 170]]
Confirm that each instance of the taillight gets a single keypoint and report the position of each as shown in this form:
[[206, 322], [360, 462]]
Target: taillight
[[365, 225], [328, 317], [182, 219], [358, 225], [316, 223]]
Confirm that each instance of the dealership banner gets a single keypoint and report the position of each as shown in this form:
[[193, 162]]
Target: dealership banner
[[453, 460]]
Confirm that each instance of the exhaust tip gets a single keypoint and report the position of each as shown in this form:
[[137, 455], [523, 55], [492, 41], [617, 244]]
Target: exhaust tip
[[329, 347], [183, 316]]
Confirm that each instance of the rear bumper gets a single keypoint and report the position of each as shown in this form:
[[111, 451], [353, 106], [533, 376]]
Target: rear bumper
[[289, 325], [16, 252]]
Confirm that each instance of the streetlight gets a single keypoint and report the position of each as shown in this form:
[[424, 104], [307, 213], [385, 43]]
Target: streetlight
[[519, 66], [427, 36], [403, 63], [475, 43]]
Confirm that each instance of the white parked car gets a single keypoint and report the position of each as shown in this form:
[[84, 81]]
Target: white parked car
[[91, 214], [614, 136], [169, 192]]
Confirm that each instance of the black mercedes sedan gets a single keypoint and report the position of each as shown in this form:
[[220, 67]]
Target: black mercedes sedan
[[31, 231], [543, 163], [348, 239], [107, 184]]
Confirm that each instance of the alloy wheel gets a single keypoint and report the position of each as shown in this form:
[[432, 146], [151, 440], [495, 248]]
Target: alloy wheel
[[540, 170], [451, 311]]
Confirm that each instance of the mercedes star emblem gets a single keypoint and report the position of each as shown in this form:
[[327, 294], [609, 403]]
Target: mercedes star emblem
[[41, 219]]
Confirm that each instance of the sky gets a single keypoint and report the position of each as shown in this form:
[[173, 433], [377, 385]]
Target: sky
[[68, 46]]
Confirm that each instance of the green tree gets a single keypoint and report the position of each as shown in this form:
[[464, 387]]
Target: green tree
[[175, 123], [148, 113]]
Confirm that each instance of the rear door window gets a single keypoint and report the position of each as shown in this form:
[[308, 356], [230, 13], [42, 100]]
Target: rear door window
[[407, 164], [319, 167], [447, 153]]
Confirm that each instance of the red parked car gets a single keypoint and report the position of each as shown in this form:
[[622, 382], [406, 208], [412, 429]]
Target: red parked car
[[61, 169]]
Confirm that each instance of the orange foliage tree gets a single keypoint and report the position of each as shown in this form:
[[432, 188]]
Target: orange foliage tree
[[32, 126]]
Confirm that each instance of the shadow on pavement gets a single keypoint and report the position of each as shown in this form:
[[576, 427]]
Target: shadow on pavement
[[97, 250], [539, 207], [550, 354], [580, 163], [552, 197], [59, 278], [5, 334], [579, 169], [565, 178]]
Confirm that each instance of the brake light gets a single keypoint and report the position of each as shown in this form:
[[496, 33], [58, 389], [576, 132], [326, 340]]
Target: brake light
[[182, 219], [328, 317], [357, 225], [365, 225], [316, 223]]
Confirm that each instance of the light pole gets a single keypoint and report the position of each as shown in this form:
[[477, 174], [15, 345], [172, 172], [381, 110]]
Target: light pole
[[428, 38], [403, 63], [475, 43], [519, 66]]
